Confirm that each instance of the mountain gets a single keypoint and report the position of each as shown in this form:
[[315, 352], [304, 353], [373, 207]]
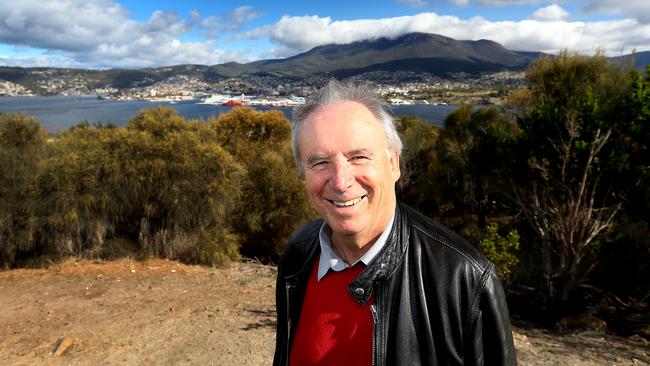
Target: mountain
[[640, 60], [413, 52], [419, 52], [37, 79]]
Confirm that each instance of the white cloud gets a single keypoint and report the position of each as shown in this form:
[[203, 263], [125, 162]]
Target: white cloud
[[165, 23], [416, 3], [38, 61], [231, 22], [100, 33], [550, 13], [242, 15], [635, 9], [501, 2], [298, 34], [510, 2]]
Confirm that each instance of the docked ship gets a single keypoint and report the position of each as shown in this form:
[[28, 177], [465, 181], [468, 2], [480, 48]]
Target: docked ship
[[277, 102], [224, 99], [233, 103], [230, 101]]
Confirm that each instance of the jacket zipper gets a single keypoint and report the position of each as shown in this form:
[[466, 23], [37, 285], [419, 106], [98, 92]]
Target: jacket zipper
[[289, 287], [376, 334], [373, 310]]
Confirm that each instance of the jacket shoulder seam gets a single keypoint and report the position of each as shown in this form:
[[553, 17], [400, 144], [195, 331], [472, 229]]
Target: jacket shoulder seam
[[440, 240], [476, 299]]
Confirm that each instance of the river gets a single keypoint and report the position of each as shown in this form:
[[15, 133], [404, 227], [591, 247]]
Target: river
[[60, 112]]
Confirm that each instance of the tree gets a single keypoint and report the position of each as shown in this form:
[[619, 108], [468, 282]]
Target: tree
[[472, 149], [418, 161], [637, 137], [22, 140], [625, 256], [273, 203], [572, 109], [179, 185], [78, 208], [501, 250], [161, 182]]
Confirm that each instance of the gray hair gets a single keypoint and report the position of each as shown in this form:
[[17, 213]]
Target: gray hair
[[335, 91]]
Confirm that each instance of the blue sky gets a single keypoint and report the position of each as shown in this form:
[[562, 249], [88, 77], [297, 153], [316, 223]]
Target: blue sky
[[135, 34]]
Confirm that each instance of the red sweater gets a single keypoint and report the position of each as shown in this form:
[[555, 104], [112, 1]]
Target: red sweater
[[333, 328]]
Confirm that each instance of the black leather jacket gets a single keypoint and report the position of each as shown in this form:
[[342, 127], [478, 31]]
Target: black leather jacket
[[437, 300]]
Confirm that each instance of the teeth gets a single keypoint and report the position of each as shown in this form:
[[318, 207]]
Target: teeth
[[347, 203]]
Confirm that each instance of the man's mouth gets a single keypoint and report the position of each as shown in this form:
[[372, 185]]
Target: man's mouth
[[347, 203]]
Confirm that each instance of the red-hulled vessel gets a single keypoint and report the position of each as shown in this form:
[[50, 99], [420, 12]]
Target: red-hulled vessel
[[233, 103]]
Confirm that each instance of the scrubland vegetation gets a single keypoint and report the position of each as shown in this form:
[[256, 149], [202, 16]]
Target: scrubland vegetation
[[196, 191], [553, 188]]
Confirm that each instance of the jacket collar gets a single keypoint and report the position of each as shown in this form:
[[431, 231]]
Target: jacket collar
[[380, 268], [329, 260], [386, 260]]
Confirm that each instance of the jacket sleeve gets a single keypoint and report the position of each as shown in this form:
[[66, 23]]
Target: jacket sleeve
[[281, 319], [298, 255], [491, 334]]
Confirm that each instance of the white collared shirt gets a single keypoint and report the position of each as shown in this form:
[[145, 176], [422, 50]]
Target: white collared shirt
[[330, 260]]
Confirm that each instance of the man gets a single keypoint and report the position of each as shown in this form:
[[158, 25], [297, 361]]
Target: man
[[375, 282]]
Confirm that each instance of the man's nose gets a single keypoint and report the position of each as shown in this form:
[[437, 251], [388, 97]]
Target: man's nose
[[342, 176]]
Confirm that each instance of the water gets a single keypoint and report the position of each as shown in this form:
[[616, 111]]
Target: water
[[60, 112], [434, 114]]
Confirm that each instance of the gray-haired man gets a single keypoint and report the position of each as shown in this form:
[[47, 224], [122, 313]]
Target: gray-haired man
[[375, 282]]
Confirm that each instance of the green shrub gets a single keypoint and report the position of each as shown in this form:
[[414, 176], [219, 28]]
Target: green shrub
[[418, 162], [161, 182], [213, 246], [78, 210], [274, 202], [22, 140], [501, 250], [178, 183]]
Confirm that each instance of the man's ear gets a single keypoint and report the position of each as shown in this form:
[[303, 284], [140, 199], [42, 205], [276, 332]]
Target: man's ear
[[393, 158]]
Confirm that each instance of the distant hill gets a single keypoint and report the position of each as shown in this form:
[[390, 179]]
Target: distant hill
[[414, 52], [420, 52], [34, 78], [640, 59]]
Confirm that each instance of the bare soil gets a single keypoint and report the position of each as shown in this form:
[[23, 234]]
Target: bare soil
[[165, 313]]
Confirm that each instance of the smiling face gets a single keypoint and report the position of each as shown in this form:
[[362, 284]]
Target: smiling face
[[350, 173]]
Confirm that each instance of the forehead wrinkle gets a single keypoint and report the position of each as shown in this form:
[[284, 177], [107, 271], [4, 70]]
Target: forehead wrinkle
[[318, 127], [360, 151], [316, 157]]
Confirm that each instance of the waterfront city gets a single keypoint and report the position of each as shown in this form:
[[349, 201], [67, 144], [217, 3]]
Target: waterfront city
[[398, 87]]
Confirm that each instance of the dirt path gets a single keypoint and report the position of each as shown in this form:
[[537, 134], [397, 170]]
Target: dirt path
[[165, 313]]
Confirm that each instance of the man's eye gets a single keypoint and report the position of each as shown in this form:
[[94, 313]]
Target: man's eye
[[359, 158]]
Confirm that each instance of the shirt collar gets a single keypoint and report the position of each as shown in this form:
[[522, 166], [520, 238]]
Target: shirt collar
[[330, 260]]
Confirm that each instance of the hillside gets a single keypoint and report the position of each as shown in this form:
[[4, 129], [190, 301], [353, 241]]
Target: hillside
[[640, 59], [419, 52], [414, 52]]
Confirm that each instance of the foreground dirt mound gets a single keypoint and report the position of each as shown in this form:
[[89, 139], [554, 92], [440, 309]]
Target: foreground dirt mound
[[165, 313], [130, 313]]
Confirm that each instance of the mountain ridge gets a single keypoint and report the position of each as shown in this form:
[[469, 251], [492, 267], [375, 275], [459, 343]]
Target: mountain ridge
[[412, 52], [370, 54]]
